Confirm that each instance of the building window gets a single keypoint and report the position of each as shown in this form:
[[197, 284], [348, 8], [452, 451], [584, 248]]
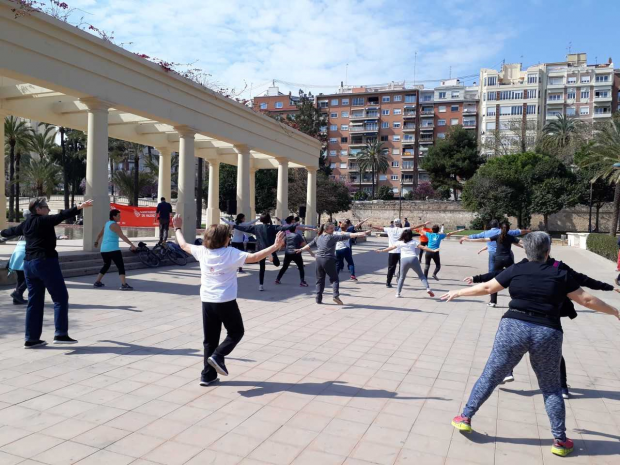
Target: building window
[[395, 164], [554, 97], [602, 78], [396, 138], [332, 165], [384, 138], [601, 93], [344, 114], [344, 127], [343, 153], [410, 98], [455, 94], [344, 140], [395, 151], [492, 80], [385, 99], [398, 111], [531, 109], [584, 110], [441, 122], [333, 115], [279, 105], [585, 94], [492, 96], [571, 80], [408, 138], [385, 125], [332, 153], [394, 177], [345, 101], [491, 126], [383, 177], [441, 135], [441, 96], [585, 79], [570, 111], [343, 165], [516, 110], [490, 111], [531, 93], [556, 81], [601, 110], [442, 109], [323, 103], [454, 121], [385, 112], [263, 106], [454, 108], [398, 98], [358, 101], [571, 94], [505, 110], [333, 127], [532, 79], [334, 102], [333, 140], [505, 95], [396, 124]]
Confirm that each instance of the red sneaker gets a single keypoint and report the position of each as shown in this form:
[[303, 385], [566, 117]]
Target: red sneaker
[[353, 278], [430, 293], [562, 448], [462, 424], [303, 284], [277, 281]]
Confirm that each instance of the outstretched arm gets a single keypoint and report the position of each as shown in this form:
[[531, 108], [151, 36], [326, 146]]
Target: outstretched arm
[[359, 225], [258, 256], [387, 249], [467, 239], [593, 303], [452, 232], [359, 234], [489, 287], [420, 225]]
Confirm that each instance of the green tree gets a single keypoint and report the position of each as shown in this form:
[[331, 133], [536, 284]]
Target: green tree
[[373, 158], [43, 141], [331, 196], [126, 183], [453, 160], [41, 176], [552, 195], [562, 137], [385, 193], [16, 136]]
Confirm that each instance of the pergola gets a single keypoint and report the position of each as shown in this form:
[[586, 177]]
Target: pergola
[[53, 72]]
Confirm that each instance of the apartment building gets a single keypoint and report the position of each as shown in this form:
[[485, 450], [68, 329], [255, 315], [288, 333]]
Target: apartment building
[[275, 102], [615, 105]]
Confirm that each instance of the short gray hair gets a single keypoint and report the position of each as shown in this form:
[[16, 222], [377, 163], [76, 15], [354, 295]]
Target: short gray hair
[[537, 246]]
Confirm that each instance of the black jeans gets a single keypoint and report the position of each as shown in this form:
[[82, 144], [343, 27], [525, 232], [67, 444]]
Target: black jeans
[[214, 315], [326, 266], [164, 225], [434, 256], [21, 286], [292, 257], [500, 263], [115, 256], [261, 273], [393, 262]]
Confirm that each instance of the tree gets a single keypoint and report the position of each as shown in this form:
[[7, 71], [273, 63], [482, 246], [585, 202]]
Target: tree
[[41, 176], [373, 158], [331, 196], [551, 196], [513, 136], [16, 135], [601, 156], [65, 166], [453, 160], [562, 137], [385, 193], [42, 143], [125, 181], [423, 191]]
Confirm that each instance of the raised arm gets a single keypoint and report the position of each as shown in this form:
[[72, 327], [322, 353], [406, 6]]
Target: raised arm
[[258, 256], [177, 222], [359, 225], [66, 214], [420, 225], [489, 287], [593, 303], [228, 222], [14, 231]]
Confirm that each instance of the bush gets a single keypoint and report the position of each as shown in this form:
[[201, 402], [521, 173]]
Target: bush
[[385, 193], [477, 223], [603, 245], [361, 195]]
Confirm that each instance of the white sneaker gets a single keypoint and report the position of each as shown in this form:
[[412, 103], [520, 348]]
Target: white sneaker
[[491, 304], [397, 295], [261, 288], [508, 379]]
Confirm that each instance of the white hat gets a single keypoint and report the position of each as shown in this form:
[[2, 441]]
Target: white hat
[[397, 220]]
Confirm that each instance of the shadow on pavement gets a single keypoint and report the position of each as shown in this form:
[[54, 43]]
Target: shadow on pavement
[[125, 348], [576, 393]]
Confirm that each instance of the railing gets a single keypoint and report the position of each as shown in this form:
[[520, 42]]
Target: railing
[[407, 127], [427, 112], [409, 114], [427, 126], [470, 110], [469, 124]]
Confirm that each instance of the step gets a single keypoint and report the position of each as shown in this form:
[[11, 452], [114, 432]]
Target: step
[[95, 262], [93, 270]]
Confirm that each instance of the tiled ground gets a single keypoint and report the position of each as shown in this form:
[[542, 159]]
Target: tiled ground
[[376, 381]]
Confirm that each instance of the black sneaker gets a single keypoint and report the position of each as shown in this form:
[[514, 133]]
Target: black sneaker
[[33, 344], [205, 382], [435, 277], [319, 300], [98, 284], [18, 299], [126, 287], [64, 340], [388, 285], [218, 363]]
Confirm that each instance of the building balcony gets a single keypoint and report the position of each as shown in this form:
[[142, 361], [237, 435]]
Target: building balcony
[[357, 144], [363, 129], [602, 99], [555, 101], [407, 154], [427, 127], [607, 114], [408, 168], [555, 86], [427, 113], [408, 141], [552, 116], [409, 114], [603, 83], [469, 125], [427, 140], [408, 127], [470, 111]]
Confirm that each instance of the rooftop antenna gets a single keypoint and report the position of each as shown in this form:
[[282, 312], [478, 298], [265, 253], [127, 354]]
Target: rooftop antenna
[[346, 75], [415, 62], [570, 47]]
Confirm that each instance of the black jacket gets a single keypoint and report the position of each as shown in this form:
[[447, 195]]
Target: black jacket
[[265, 233], [568, 308], [40, 234]]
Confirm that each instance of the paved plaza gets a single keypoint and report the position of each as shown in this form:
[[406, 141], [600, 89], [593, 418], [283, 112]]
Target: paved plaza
[[376, 381]]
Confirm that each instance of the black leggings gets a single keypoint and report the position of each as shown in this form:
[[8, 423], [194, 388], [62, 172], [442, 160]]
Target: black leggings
[[214, 315], [434, 256], [109, 257], [292, 257], [501, 262], [393, 262], [261, 273], [238, 246], [21, 286]]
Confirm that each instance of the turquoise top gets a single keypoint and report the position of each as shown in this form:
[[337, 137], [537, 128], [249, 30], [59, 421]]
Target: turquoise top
[[16, 263], [110, 238]]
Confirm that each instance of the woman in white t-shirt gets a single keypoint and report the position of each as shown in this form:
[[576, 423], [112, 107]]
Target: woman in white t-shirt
[[218, 292], [408, 248]]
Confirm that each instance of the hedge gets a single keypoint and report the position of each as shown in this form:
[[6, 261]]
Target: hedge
[[603, 245]]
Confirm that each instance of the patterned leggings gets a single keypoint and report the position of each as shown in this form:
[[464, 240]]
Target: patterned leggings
[[513, 340], [410, 263]]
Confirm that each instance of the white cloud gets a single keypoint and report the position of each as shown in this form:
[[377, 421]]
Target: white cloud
[[307, 42]]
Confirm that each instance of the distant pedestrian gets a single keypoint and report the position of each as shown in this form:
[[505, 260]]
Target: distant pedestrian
[[164, 211], [238, 238], [407, 225], [42, 270], [294, 241], [111, 251]]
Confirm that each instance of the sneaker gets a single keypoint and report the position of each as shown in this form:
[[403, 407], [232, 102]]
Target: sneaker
[[261, 288], [64, 340], [18, 299], [218, 363], [565, 393], [562, 448], [277, 281], [491, 304], [33, 344], [508, 379], [98, 284], [353, 278], [388, 285], [205, 382], [338, 301], [240, 270], [435, 277], [430, 293], [303, 284], [126, 287], [319, 300], [398, 294], [462, 424]]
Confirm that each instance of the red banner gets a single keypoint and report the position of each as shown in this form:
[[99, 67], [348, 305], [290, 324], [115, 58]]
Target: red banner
[[136, 216]]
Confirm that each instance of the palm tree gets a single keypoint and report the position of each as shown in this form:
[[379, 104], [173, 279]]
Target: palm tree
[[42, 176], [373, 158], [562, 136], [16, 134], [42, 143], [125, 183], [604, 153]]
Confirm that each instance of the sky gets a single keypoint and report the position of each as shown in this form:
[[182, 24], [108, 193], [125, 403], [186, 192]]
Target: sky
[[316, 45]]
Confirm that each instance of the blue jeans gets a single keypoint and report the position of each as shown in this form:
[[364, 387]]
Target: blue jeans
[[341, 256], [491, 261], [42, 274]]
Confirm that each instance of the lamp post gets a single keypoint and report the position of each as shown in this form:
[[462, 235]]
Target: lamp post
[[590, 214], [400, 197]]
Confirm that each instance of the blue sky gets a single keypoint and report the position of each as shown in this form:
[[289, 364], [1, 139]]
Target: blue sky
[[310, 43]]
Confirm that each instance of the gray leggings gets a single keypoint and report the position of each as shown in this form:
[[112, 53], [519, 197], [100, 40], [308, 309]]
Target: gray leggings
[[406, 264], [513, 340]]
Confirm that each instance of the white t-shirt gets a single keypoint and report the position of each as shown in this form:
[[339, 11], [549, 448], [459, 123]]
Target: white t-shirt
[[407, 249], [393, 236], [218, 272]]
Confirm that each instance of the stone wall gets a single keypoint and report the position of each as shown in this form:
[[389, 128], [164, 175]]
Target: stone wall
[[453, 214]]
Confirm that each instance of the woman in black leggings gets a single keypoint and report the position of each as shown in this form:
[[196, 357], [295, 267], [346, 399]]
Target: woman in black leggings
[[237, 235], [293, 242]]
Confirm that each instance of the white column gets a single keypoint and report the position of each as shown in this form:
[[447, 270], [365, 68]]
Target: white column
[[252, 214], [243, 179], [164, 184], [213, 202], [282, 192], [3, 222], [96, 172], [186, 206], [311, 198]]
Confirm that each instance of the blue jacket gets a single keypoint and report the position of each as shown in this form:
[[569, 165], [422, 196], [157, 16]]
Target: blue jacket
[[491, 233], [16, 262]]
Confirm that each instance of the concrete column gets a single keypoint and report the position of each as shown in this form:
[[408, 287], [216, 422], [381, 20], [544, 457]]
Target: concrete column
[[243, 179], [213, 202], [252, 214], [282, 192], [186, 206], [3, 222], [164, 184], [311, 198], [96, 172]]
